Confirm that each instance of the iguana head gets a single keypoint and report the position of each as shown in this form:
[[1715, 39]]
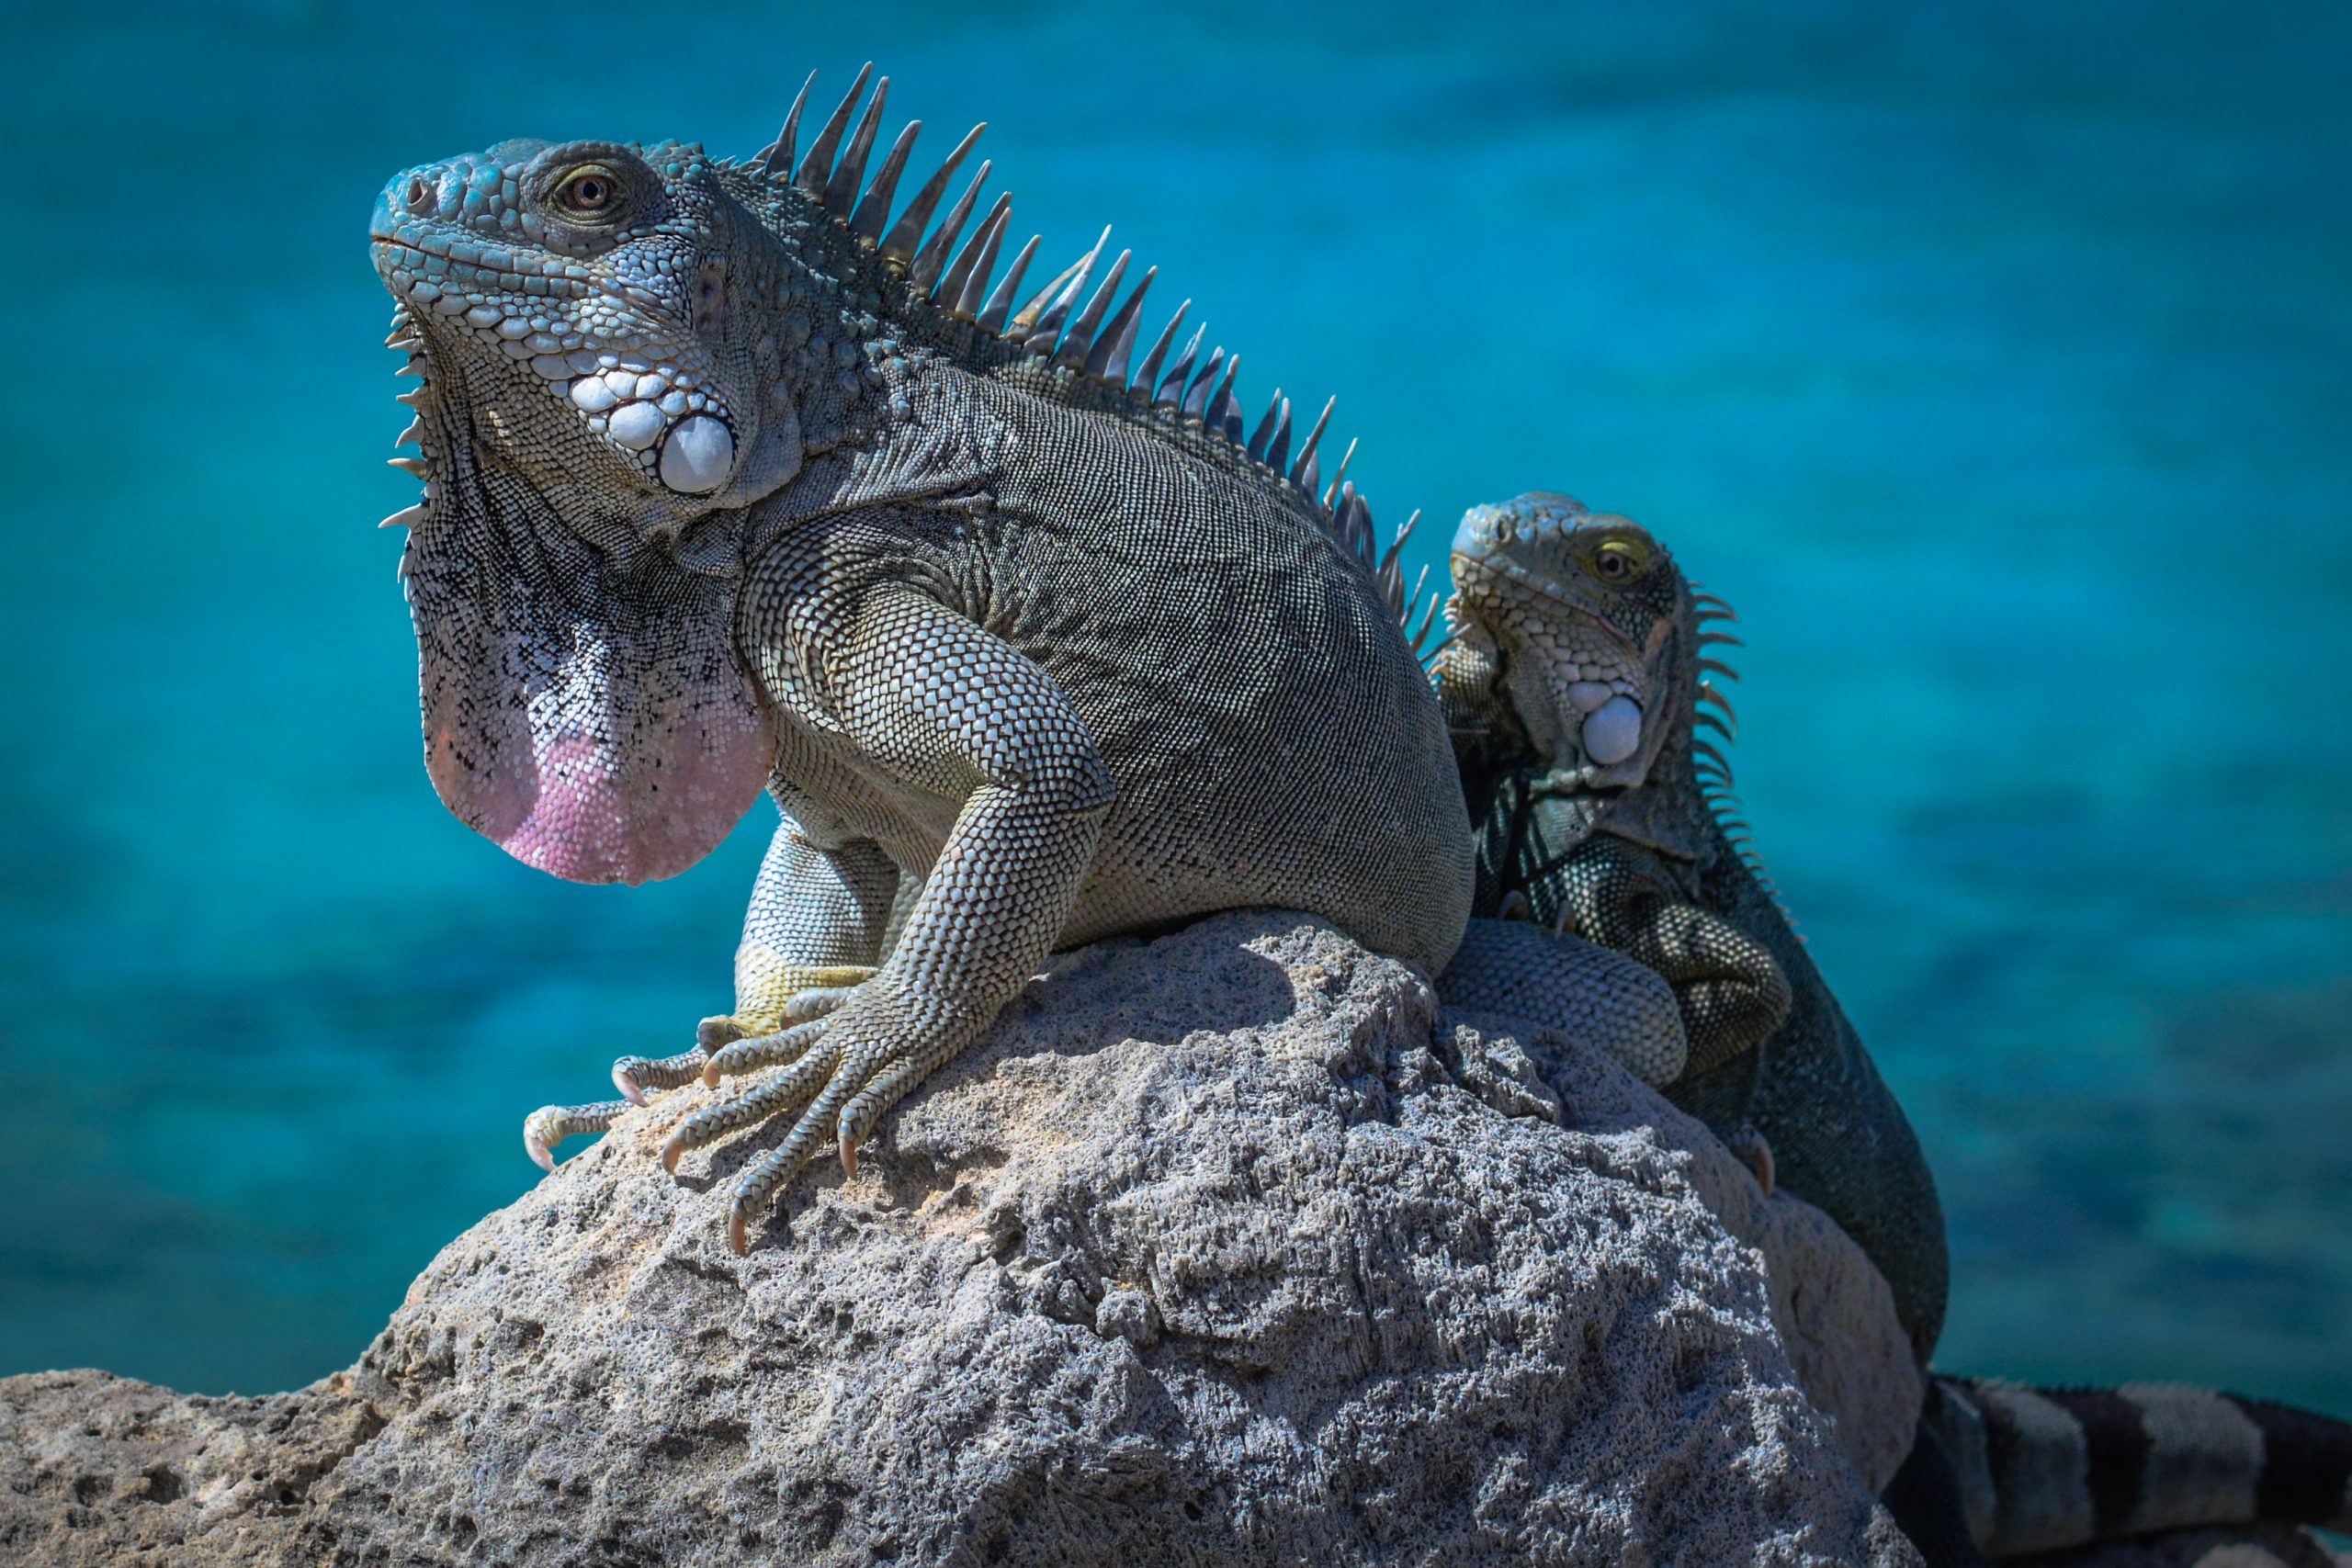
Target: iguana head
[[599, 404], [1594, 635], [588, 301]]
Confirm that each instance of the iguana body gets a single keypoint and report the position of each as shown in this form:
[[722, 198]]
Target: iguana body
[[728, 490], [1578, 676]]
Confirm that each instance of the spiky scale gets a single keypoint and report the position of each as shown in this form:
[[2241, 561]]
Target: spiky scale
[[1196, 396], [818, 168], [1224, 410], [1171, 387], [992, 315], [1278, 444], [1302, 473], [412, 466], [406, 517], [1145, 376], [1719, 667], [776, 159], [1341, 477], [1107, 360], [1079, 341], [1708, 693], [907, 233], [966, 284], [874, 207], [841, 189], [928, 261], [1265, 431], [1029, 323]]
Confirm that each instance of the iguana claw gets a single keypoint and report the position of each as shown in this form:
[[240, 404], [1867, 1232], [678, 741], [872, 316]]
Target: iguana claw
[[634, 1075], [550, 1125]]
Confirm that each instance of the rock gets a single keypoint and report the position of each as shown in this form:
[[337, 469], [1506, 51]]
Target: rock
[[1223, 1248]]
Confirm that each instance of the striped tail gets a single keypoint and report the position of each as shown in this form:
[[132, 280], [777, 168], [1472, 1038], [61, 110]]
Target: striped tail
[[2044, 1468]]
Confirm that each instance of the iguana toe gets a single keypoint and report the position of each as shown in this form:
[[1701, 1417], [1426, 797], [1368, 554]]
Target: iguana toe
[[788, 1091], [550, 1125], [634, 1075], [766, 1050]]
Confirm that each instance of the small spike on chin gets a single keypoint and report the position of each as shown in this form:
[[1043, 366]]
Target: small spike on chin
[[406, 517]]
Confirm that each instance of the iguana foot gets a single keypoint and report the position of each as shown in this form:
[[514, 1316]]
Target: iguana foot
[[550, 1125], [841, 1072]]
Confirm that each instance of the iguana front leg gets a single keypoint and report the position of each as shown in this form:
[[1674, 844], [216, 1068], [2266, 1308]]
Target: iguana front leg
[[942, 709], [1731, 992], [814, 930], [815, 926]]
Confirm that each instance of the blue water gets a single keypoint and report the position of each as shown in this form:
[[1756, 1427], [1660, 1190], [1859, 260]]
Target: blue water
[[1993, 359]]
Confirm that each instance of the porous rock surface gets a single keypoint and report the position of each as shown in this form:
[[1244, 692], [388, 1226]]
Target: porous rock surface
[[1223, 1248]]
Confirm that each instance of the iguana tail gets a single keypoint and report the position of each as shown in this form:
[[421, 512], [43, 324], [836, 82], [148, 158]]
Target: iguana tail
[[2044, 1468]]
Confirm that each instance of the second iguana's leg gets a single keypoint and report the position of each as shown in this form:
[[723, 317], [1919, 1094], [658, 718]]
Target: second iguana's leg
[[1731, 992], [1604, 1000]]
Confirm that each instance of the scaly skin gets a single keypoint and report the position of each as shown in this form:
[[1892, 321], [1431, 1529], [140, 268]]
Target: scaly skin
[[1577, 680], [729, 490], [2042, 1469]]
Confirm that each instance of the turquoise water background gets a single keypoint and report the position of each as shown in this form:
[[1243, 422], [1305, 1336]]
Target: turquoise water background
[[1991, 358]]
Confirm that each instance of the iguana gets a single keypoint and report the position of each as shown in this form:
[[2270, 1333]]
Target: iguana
[[1578, 678], [734, 481]]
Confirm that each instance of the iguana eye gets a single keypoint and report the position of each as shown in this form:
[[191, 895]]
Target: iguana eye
[[1617, 562], [588, 192]]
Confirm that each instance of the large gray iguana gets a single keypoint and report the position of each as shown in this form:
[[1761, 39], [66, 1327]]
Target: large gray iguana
[[734, 481], [1578, 676]]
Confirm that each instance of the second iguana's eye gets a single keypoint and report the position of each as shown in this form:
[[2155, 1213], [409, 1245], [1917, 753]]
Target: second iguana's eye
[[588, 192]]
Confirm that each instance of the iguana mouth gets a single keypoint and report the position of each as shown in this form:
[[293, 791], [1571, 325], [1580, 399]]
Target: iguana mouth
[[665, 416]]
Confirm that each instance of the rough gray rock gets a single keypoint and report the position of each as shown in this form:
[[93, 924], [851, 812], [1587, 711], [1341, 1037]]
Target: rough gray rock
[[1221, 1249]]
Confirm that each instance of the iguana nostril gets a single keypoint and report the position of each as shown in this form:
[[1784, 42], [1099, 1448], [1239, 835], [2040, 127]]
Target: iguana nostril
[[1613, 731], [419, 194]]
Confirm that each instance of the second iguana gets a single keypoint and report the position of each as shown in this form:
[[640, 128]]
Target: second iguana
[[1578, 680]]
